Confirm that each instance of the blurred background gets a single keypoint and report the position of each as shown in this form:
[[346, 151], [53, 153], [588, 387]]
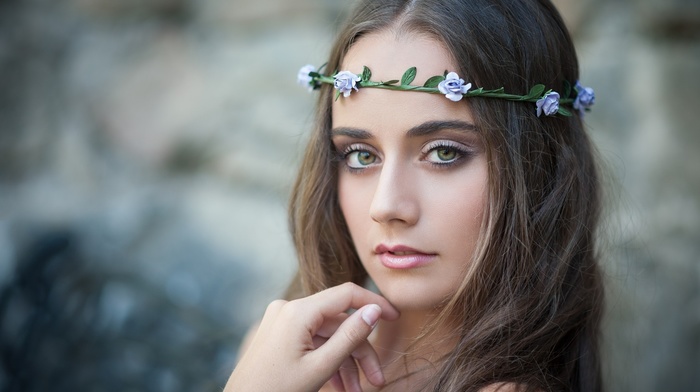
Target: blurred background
[[147, 150]]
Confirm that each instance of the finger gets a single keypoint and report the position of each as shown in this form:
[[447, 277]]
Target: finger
[[365, 355], [347, 338], [368, 360], [318, 341], [331, 324], [337, 382], [338, 299], [348, 373]]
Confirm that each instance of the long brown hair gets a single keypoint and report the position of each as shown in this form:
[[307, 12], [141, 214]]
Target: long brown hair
[[530, 304]]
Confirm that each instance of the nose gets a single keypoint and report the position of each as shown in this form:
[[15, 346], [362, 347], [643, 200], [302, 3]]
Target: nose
[[395, 197]]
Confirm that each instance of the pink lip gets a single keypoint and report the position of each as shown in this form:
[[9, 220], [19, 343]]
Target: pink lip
[[412, 258]]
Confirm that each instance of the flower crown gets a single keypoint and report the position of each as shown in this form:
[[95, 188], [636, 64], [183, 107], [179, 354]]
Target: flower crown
[[548, 102]]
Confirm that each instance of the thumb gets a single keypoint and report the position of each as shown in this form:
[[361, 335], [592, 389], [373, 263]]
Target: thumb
[[349, 335]]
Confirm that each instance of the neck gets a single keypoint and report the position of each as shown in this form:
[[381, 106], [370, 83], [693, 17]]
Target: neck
[[401, 354]]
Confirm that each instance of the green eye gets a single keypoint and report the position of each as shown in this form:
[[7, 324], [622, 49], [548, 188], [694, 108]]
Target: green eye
[[365, 158], [446, 154], [443, 155], [360, 159]]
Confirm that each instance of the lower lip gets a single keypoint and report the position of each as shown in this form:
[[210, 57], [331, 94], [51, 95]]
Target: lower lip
[[416, 260]]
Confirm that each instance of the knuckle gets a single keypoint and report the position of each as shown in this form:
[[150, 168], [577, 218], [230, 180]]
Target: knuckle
[[275, 306], [348, 366], [348, 287], [353, 336], [289, 308]]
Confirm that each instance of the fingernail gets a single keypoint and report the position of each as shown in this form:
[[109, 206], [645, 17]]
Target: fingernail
[[370, 314]]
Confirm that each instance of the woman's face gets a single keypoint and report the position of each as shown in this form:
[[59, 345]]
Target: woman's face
[[413, 173]]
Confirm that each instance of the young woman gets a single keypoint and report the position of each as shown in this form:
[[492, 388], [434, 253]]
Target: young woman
[[472, 209]]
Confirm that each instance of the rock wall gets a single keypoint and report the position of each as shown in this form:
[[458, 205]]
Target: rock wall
[[644, 56], [147, 150]]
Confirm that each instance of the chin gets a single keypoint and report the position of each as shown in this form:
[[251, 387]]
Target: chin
[[412, 295]]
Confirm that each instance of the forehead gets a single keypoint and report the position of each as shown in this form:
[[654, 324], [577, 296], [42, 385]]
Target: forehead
[[388, 55]]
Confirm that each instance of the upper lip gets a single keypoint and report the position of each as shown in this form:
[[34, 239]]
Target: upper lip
[[382, 248]]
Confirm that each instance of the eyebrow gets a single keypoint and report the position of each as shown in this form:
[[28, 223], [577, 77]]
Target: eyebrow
[[430, 127], [423, 129]]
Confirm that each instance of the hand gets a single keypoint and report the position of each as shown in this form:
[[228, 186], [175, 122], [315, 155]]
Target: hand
[[303, 343]]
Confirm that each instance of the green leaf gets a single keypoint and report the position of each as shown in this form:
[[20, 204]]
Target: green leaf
[[535, 92], [393, 81], [408, 76], [564, 112], [477, 91], [314, 74], [433, 81], [366, 74], [567, 89], [337, 94]]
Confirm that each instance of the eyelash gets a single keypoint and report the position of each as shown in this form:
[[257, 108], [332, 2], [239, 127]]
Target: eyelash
[[460, 152], [343, 154]]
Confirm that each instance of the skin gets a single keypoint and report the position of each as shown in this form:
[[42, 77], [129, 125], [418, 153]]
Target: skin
[[413, 172], [301, 344], [427, 192]]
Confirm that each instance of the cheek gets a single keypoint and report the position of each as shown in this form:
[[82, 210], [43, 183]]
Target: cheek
[[469, 205], [354, 201], [459, 214]]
